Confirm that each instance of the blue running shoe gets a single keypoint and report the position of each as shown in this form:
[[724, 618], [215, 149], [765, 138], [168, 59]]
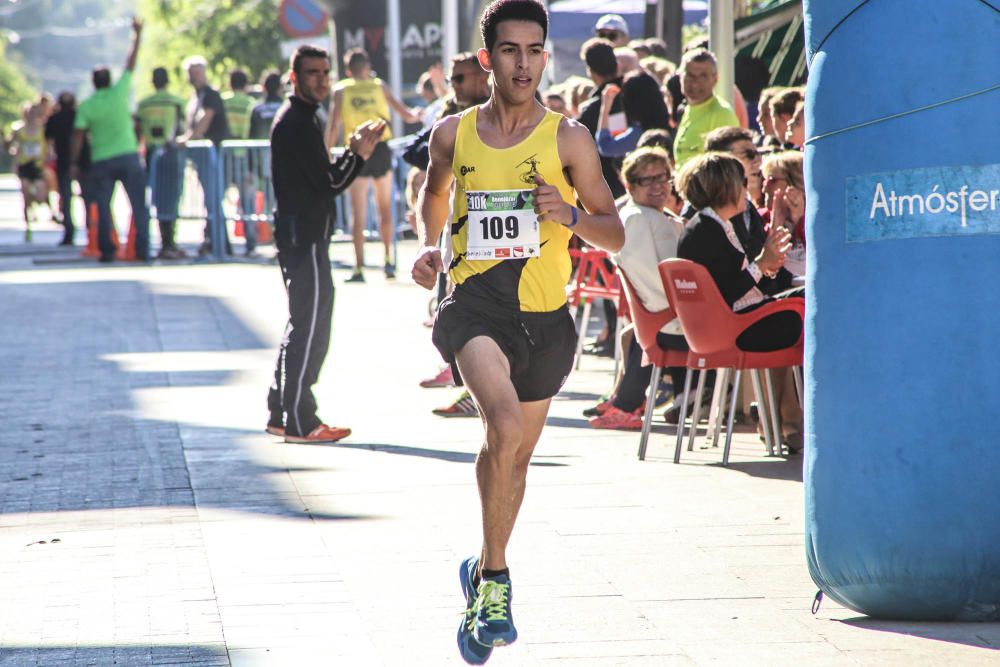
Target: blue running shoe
[[494, 623], [471, 651]]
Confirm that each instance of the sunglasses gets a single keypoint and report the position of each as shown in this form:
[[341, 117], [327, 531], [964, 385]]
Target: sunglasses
[[750, 154], [457, 78], [657, 179], [608, 34]]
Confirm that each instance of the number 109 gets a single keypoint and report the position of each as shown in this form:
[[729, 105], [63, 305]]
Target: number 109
[[496, 227]]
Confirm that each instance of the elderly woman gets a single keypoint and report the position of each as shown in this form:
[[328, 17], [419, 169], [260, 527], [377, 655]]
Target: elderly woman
[[651, 234], [715, 184]]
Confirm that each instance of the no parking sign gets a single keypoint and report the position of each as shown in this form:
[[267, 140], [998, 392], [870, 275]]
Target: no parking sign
[[302, 18]]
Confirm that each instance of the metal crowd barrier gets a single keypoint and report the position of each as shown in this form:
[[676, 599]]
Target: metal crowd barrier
[[233, 182], [185, 184]]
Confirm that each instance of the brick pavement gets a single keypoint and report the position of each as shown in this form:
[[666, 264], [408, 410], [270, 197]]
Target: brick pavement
[[147, 519]]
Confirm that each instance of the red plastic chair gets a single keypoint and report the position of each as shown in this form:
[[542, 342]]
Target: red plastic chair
[[593, 280], [647, 324], [711, 329]]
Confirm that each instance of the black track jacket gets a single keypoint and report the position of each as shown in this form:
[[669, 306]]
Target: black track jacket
[[305, 181]]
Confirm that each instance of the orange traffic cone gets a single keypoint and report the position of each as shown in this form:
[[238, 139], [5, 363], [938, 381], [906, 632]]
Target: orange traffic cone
[[263, 226], [91, 250], [238, 229], [128, 251]]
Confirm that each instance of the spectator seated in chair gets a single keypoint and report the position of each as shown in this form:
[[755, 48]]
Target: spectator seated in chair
[[651, 234], [715, 184]]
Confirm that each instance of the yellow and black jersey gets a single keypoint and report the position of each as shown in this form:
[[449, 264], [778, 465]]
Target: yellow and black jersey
[[32, 147], [528, 284], [363, 100]]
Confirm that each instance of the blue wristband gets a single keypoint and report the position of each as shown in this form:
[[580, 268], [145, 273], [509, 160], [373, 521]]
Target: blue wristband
[[575, 213]]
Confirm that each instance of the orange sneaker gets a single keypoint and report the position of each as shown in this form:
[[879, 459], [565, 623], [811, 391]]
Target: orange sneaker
[[618, 419], [321, 433], [276, 430]]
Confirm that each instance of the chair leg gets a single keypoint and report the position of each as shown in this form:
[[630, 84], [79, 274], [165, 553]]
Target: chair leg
[[720, 402], [797, 378], [647, 421], [713, 408], [584, 320], [762, 412], [775, 422], [696, 413], [680, 419], [732, 413]]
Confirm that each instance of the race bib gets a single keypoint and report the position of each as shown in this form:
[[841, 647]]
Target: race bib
[[502, 225], [31, 149]]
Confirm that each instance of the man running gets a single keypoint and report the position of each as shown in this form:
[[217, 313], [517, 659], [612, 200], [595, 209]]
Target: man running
[[505, 328]]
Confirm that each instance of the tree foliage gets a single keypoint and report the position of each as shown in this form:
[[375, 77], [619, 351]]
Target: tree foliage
[[14, 91], [228, 33]]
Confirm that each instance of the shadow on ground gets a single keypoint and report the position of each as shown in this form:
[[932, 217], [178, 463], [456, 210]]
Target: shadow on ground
[[979, 635], [421, 452], [190, 656], [71, 441], [784, 468]]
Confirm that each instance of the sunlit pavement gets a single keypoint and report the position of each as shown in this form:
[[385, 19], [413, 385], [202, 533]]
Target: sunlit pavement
[[148, 519]]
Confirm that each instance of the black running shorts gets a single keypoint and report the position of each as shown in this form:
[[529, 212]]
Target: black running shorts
[[380, 162], [30, 171], [539, 346]]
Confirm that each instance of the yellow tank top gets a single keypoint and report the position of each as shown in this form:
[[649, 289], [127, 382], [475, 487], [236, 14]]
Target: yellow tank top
[[528, 284], [31, 147], [361, 101]]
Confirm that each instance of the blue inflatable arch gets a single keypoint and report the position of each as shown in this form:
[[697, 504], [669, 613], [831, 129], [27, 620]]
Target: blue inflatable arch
[[902, 467]]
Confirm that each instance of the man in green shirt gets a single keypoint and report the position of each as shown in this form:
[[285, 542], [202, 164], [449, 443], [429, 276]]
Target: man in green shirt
[[705, 110], [238, 168], [106, 117], [159, 118], [238, 105]]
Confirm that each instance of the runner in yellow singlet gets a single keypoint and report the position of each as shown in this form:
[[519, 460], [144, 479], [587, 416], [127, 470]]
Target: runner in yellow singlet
[[357, 100], [30, 149], [518, 169]]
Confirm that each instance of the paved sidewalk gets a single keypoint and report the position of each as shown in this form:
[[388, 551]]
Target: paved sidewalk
[[147, 519]]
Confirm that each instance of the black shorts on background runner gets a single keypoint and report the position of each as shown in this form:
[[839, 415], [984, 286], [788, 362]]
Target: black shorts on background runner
[[380, 163], [540, 347], [29, 171]]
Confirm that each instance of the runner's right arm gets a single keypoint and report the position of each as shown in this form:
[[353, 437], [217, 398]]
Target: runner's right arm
[[432, 203]]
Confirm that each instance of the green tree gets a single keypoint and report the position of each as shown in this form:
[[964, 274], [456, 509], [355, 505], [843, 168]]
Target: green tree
[[228, 33], [14, 91]]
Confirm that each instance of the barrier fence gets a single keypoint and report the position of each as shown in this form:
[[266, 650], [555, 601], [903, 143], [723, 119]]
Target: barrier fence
[[230, 186]]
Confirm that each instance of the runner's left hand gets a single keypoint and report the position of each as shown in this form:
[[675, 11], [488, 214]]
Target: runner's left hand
[[549, 204]]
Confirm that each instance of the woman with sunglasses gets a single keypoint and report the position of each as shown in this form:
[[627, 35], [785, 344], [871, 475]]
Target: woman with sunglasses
[[651, 234], [785, 201]]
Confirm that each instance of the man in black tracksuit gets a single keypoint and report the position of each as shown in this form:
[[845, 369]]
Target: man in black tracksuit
[[305, 183]]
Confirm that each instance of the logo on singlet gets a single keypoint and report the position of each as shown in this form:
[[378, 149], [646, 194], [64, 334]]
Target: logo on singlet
[[466, 170], [530, 165]]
